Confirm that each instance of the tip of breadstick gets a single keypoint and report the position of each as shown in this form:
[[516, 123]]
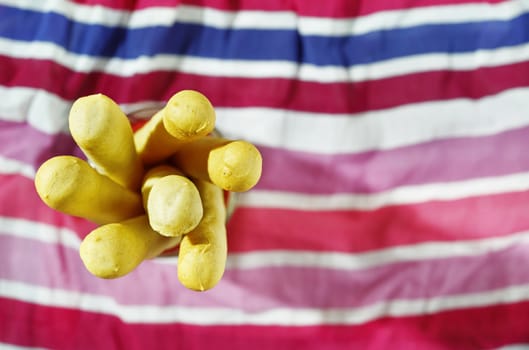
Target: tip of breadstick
[[106, 255], [57, 178], [189, 115], [195, 271], [152, 176], [91, 114], [236, 166], [174, 206]]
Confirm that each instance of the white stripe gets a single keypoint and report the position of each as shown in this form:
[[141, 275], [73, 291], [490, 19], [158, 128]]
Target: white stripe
[[410, 17], [44, 110], [380, 257], [317, 133], [397, 196], [282, 20], [41, 109], [10, 166], [5, 346], [26, 229], [268, 68], [377, 130], [277, 316]]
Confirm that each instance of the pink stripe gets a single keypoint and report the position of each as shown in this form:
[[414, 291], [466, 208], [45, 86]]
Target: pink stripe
[[270, 92], [345, 231], [368, 172], [334, 8], [261, 289], [24, 143]]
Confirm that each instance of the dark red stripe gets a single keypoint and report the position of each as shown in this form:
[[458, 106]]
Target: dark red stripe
[[334, 8], [268, 92], [34, 325], [252, 229]]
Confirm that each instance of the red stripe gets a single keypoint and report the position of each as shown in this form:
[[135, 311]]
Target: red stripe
[[345, 231], [34, 325], [338, 9], [265, 92], [358, 231]]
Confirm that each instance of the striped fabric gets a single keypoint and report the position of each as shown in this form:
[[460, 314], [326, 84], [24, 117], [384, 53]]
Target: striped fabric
[[393, 210]]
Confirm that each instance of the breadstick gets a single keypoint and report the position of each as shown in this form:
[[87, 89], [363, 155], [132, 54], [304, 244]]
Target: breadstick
[[232, 165], [114, 250], [172, 201], [187, 116], [203, 251], [103, 132], [70, 185]]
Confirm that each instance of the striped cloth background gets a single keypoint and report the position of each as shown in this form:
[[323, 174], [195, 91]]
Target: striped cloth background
[[393, 211]]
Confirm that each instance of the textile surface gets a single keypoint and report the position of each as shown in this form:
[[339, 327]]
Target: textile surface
[[393, 208]]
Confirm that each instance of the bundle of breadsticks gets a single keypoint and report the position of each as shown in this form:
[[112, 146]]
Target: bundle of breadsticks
[[159, 188]]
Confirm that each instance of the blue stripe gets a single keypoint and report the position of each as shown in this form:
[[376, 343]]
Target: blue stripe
[[202, 41]]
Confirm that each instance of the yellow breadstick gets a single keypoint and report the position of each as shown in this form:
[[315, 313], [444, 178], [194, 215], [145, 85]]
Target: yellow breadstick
[[172, 201], [70, 185], [103, 132], [152, 175], [188, 115], [114, 250], [232, 165], [203, 251]]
